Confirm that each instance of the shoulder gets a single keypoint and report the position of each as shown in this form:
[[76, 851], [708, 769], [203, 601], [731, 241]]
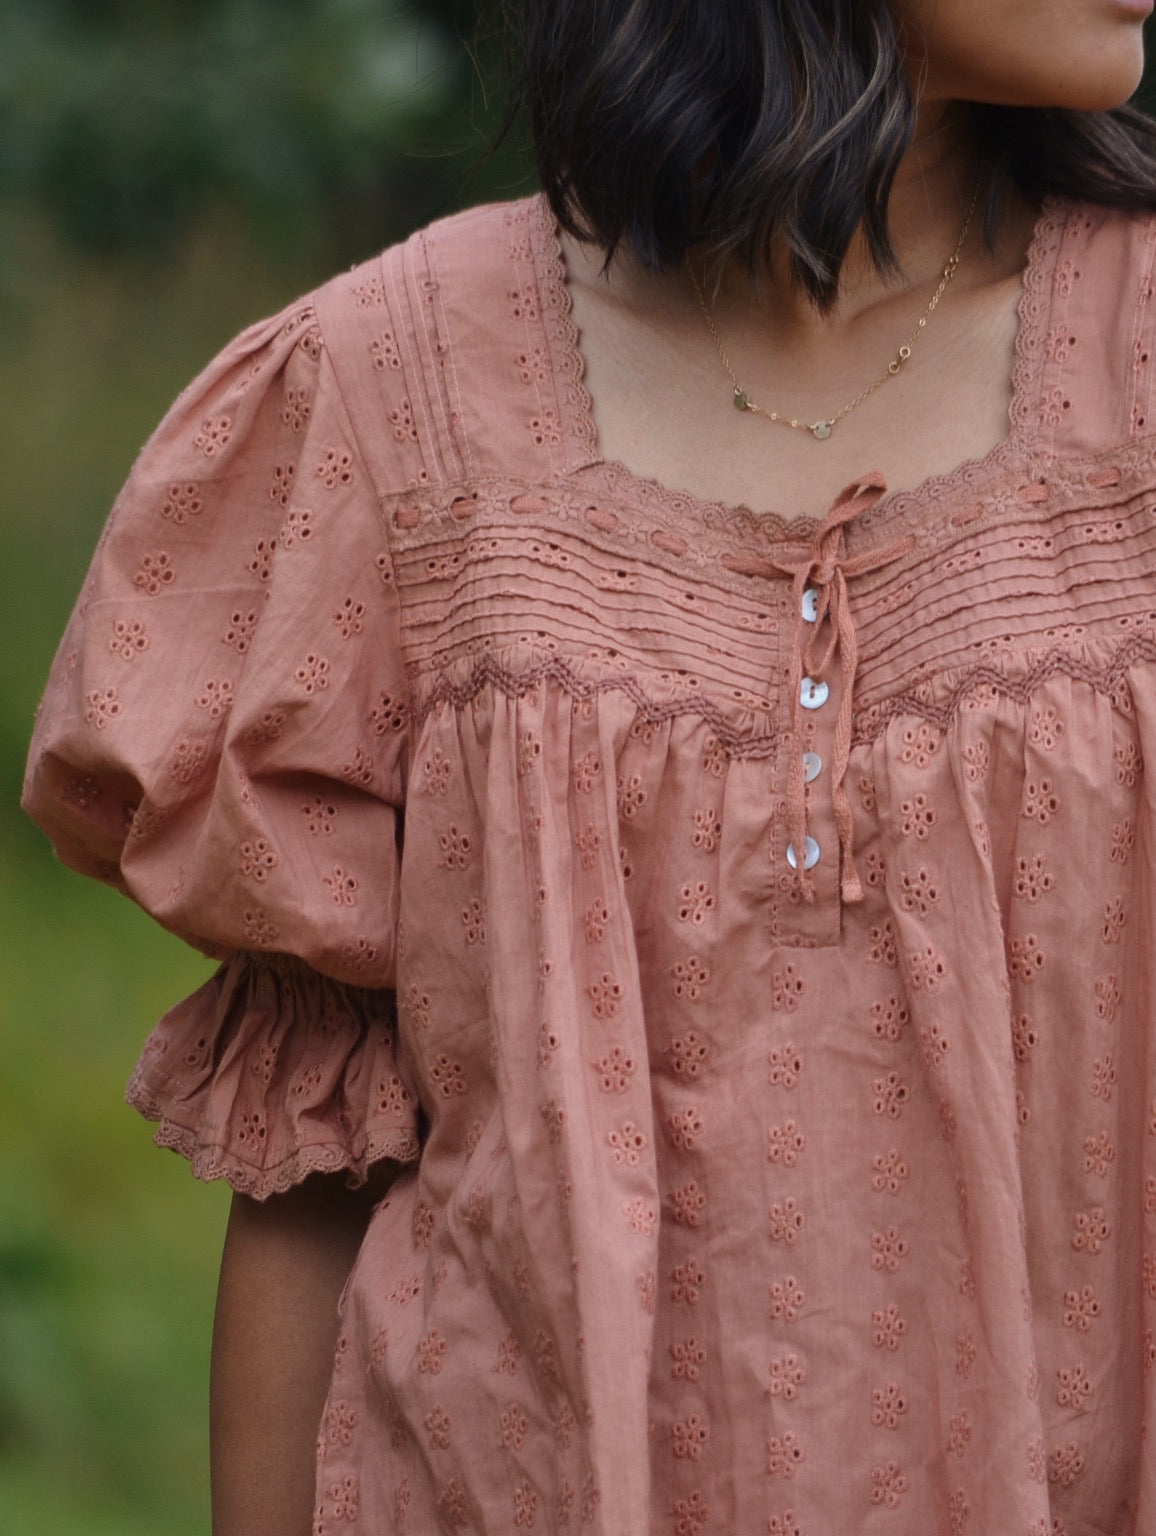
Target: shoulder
[[469, 257], [1091, 290], [446, 338]]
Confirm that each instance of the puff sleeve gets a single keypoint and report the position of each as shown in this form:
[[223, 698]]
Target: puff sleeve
[[223, 738]]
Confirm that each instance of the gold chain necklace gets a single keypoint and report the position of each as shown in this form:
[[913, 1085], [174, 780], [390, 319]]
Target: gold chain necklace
[[822, 429]]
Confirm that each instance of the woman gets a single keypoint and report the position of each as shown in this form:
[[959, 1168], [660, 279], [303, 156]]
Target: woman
[[763, 1136]]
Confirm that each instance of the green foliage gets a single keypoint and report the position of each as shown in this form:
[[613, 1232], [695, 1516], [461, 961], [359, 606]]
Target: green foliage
[[127, 119]]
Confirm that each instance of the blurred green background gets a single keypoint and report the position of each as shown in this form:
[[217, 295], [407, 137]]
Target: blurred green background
[[169, 171]]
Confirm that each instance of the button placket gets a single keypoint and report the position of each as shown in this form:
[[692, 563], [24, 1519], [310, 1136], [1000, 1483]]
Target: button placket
[[807, 752], [826, 632]]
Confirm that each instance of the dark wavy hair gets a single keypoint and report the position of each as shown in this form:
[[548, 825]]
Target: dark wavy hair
[[721, 125]]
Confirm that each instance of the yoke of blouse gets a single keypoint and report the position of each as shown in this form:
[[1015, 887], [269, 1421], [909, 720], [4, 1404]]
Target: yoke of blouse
[[773, 1077]]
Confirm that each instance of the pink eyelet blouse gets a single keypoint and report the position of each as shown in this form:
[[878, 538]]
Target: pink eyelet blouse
[[769, 1051]]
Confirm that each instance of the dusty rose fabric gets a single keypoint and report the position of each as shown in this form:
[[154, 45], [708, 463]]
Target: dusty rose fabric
[[738, 1199]]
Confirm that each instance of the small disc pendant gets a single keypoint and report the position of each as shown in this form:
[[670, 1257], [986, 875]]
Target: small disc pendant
[[742, 400], [822, 430]]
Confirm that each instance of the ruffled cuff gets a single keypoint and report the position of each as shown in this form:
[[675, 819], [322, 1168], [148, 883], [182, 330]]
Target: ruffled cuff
[[271, 1071]]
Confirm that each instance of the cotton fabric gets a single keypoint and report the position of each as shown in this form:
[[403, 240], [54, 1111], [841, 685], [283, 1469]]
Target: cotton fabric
[[737, 1198]]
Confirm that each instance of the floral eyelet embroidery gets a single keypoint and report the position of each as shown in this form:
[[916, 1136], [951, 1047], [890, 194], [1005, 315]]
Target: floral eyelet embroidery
[[628, 1144], [889, 1019], [707, 829], [447, 1076], [281, 486], [298, 529], [1129, 764], [786, 1066], [1103, 1078], [404, 426], [888, 1406], [102, 705], [605, 994], [887, 1328], [696, 900], [216, 697], [787, 988], [688, 1055], [181, 503], [348, 618], [784, 1524], [456, 847], [214, 435], [786, 1298], [684, 1128], [786, 1221], [1033, 878], [889, 1170], [689, 1436], [919, 745], [689, 978], [784, 1144], [784, 1453], [1065, 1464], [312, 676], [688, 1203], [888, 1250], [976, 757], [1108, 998], [383, 350], [257, 860], [917, 817], [240, 630], [474, 923], [891, 1093], [926, 969], [615, 1070], [1090, 1230], [787, 1376], [888, 1485], [336, 468], [1115, 917], [1123, 842], [688, 1357], [883, 949], [1041, 802], [154, 573], [1025, 959], [342, 886]]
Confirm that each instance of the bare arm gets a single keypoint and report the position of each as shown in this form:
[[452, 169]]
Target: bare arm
[[284, 1265]]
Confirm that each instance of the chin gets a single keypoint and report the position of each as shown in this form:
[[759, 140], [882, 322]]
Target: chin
[[1094, 75], [1090, 89], [1082, 89]]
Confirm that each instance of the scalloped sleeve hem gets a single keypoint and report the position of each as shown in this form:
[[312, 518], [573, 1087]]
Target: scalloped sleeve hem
[[271, 1072]]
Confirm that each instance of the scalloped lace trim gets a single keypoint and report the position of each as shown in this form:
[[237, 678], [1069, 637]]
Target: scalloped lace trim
[[215, 1162], [516, 681], [562, 328], [870, 721], [1032, 312]]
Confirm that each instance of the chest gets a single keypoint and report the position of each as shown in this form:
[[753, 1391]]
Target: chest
[[663, 405]]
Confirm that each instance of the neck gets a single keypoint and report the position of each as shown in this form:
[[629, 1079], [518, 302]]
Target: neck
[[929, 204]]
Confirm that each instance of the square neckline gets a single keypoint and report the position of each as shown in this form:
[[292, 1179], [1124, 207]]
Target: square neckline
[[941, 491]]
